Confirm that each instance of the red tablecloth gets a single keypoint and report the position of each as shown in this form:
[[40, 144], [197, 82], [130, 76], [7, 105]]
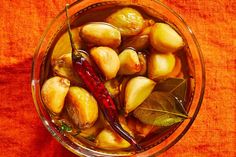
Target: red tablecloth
[[23, 134]]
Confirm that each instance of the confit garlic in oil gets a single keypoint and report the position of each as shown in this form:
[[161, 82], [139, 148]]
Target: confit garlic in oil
[[125, 46]]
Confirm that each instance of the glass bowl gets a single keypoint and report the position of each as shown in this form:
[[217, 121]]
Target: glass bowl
[[154, 8]]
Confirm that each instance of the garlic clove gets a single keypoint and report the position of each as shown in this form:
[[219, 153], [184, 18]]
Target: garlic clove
[[129, 62], [104, 57], [139, 42], [63, 45], [53, 92], [160, 65], [139, 128], [82, 107], [62, 66], [110, 140], [165, 39], [101, 34], [128, 20], [177, 69], [95, 129], [143, 63], [136, 91], [113, 87]]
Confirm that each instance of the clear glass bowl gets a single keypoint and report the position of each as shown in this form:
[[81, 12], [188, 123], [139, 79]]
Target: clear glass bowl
[[154, 8]]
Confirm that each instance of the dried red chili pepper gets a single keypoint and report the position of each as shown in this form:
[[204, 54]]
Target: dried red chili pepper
[[98, 90]]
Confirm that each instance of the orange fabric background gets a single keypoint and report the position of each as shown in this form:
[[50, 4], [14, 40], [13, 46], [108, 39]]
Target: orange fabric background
[[23, 134]]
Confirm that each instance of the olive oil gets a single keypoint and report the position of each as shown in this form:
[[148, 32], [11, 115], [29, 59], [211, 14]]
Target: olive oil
[[99, 13]]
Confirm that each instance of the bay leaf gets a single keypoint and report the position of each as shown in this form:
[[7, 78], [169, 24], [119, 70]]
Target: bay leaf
[[175, 86], [160, 109]]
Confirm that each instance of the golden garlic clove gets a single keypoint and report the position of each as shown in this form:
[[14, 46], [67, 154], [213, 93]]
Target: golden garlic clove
[[139, 128], [160, 65], [63, 45], [138, 42], [113, 87], [82, 107], [110, 140], [101, 34], [165, 39], [95, 129], [143, 63], [62, 66], [128, 20], [177, 69], [124, 125], [148, 23], [136, 91], [53, 93], [122, 87], [107, 60], [92, 131], [129, 62]]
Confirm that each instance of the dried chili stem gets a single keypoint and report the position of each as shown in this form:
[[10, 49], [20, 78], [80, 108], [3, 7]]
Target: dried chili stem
[[75, 52]]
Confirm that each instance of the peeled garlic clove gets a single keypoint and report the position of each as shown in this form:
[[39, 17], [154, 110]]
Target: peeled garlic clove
[[148, 23], [160, 65], [124, 125], [165, 39], [110, 140], [139, 128], [94, 130], [107, 60], [137, 90], [101, 34], [82, 107], [143, 129], [143, 63], [129, 62], [62, 66], [113, 87], [177, 68], [138, 42], [53, 93], [122, 91], [128, 20], [63, 45]]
